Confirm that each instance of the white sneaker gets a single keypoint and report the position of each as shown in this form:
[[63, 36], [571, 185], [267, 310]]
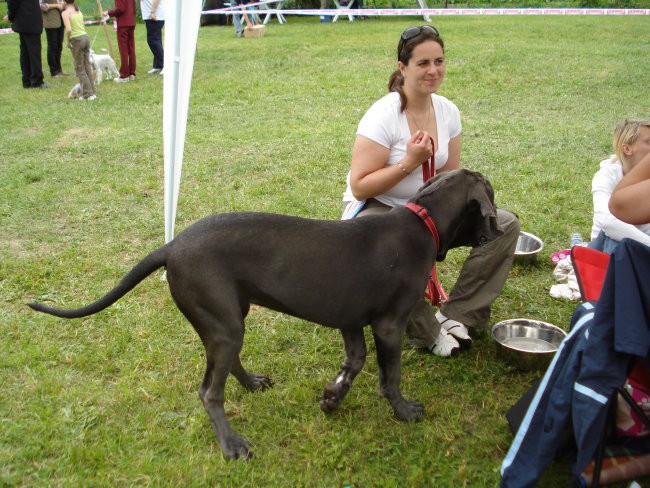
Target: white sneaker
[[122, 80], [456, 329], [153, 71], [162, 72], [445, 345], [131, 77]]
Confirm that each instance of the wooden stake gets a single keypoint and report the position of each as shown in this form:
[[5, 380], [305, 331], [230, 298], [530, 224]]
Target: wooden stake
[[108, 39]]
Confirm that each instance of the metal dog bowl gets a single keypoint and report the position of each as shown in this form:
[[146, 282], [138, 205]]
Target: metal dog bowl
[[528, 247], [527, 344]]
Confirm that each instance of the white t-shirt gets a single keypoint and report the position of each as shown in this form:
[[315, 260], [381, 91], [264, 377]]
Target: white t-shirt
[[602, 186], [145, 8], [385, 124]]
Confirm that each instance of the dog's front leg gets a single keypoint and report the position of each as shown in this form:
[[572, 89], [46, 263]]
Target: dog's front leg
[[355, 350], [388, 340]]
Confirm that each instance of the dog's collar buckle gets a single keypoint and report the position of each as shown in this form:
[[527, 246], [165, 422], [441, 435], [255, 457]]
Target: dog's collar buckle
[[434, 292], [423, 213]]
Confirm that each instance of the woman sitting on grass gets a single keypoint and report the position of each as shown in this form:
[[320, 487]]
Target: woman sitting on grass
[[395, 137], [631, 145]]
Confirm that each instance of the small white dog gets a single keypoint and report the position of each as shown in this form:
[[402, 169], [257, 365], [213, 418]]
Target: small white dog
[[104, 66], [75, 92]]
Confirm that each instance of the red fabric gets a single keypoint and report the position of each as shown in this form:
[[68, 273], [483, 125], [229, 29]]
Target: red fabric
[[126, 46], [124, 13], [640, 375], [590, 267]]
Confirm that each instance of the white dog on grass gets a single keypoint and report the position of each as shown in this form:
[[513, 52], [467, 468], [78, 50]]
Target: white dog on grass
[[75, 92], [104, 66]]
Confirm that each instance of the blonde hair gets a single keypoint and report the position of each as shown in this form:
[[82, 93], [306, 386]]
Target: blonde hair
[[627, 132]]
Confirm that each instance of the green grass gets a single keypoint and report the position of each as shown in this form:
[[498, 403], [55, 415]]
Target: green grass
[[110, 400]]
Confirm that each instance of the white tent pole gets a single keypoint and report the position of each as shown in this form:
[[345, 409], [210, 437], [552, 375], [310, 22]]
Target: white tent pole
[[182, 20]]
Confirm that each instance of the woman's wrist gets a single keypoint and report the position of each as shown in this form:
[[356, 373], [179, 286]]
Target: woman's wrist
[[403, 167], [406, 165]]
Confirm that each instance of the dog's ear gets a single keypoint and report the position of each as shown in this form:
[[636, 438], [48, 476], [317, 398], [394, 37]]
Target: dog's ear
[[482, 195]]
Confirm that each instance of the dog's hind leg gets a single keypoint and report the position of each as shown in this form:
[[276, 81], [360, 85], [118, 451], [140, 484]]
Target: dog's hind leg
[[221, 329], [221, 353], [355, 350], [388, 341]]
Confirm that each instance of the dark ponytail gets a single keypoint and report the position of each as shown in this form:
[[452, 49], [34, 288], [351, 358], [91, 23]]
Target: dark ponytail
[[396, 84]]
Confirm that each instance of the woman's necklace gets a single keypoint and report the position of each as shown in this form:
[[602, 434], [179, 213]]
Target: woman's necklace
[[415, 121]]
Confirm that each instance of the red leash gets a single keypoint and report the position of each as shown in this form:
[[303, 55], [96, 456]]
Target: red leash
[[429, 166], [434, 292]]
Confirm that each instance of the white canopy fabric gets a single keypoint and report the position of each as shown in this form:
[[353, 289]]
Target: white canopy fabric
[[182, 18]]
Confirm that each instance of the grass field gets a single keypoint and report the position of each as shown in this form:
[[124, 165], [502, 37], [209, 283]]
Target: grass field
[[110, 400]]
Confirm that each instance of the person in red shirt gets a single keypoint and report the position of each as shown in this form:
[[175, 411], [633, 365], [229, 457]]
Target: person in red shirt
[[124, 13]]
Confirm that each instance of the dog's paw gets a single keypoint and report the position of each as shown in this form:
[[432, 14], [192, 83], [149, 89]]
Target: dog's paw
[[258, 382], [409, 410], [333, 394], [236, 448]]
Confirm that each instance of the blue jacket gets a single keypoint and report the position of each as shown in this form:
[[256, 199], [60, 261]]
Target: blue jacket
[[590, 364]]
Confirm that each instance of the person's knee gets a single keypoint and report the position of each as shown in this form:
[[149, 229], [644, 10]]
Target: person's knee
[[509, 223]]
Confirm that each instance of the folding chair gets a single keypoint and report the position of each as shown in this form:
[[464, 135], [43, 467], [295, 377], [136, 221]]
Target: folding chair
[[590, 267]]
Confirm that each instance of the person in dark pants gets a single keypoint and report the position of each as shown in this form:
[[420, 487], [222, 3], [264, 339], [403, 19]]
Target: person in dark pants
[[26, 19], [54, 32], [153, 14]]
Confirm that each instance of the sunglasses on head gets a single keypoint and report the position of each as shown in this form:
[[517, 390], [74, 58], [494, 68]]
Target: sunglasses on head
[[412, 32]]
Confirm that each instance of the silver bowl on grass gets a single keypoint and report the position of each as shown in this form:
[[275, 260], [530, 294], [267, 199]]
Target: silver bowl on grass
[[528, 247], [527, 344]]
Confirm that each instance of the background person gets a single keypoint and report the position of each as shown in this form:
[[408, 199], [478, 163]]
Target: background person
[[79, 43], [124, 12], [153, 14], [54, 32], [631, 144], [393, 139], [27, 21], [237, 18]]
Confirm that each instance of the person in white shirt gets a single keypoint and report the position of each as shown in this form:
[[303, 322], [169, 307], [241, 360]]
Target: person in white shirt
[[631, 144], [153, 14], [395, 137]]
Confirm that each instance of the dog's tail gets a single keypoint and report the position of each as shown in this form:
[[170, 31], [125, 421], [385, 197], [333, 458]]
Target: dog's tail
[[157, 259]]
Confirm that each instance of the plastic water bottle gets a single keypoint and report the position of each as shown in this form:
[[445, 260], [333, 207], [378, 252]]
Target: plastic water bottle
[[576, 239]]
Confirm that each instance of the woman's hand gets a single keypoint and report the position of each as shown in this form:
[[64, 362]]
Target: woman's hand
[[418, 150], [369, 174]]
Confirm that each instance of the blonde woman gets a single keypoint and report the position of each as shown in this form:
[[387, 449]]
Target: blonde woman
[[631, 144]]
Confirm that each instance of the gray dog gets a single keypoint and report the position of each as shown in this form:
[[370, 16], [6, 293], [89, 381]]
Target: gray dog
[[341, 274]]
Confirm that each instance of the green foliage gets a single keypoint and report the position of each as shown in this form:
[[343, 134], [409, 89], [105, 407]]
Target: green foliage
[[110, 400]]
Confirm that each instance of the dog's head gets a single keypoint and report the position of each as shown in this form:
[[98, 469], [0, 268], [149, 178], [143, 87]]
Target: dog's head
[[461, 203], [75, 92]]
